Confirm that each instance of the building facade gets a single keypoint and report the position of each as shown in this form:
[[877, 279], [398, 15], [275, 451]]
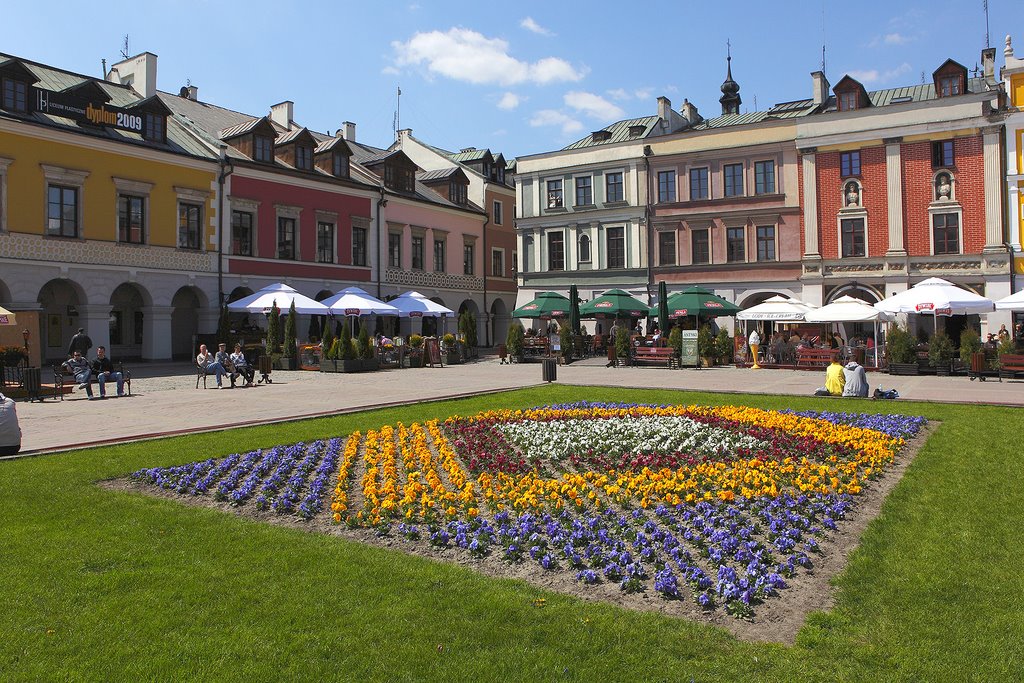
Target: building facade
[[1012, 76]]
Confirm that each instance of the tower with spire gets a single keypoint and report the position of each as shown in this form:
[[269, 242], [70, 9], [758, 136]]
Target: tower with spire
[[730, 98]]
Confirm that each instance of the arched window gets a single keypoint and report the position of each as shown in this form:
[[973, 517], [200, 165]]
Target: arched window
[[584, 248]]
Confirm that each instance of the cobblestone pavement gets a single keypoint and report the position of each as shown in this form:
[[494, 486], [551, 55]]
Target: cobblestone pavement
[[165, 399]]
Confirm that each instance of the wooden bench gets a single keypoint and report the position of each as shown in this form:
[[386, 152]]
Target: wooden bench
[[1010, 364], [662, 355], [536, 347], [62, 378], [815, 357]]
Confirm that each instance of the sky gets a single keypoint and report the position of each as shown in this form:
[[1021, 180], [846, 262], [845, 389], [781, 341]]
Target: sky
[[517, 78]]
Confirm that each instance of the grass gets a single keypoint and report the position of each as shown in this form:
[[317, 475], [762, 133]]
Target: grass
[[106, 585]]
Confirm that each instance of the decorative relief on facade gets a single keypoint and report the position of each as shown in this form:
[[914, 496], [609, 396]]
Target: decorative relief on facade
[[432, 280], [854, 268], [36, 248], [946, 265]]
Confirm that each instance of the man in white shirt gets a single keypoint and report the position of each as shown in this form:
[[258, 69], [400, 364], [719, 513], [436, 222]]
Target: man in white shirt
[[10, 432]]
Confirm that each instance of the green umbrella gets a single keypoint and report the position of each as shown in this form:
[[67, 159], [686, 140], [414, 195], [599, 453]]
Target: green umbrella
[[614, 303], [545, 306], [663, 307], [698, 301], [574, 309]]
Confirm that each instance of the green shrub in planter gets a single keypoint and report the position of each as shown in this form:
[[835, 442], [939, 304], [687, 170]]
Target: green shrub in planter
[[705, 343], [675, 341], [291, 349], [940, 351], [970, 343], [900, 345], [347, 351], [415, 341], [448, 340], [514, 339], [273, 329], [363, 349], [723, 347], [622, 349], [565, 340]]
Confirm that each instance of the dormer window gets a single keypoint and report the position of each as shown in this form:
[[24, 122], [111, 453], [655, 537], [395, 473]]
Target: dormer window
[[457, 193], [949, 85], [339, 165], [950, 79], [156, 128], [399, 178], [850, 94], [15, 95], [303, 157], [847, 101], [263, 149]]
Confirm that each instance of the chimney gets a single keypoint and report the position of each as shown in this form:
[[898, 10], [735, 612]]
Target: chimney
[[138, 73], [690, 113], [820, 87], [281, 114], [193, 92], [988, 63], [670, 120], [348, 131]]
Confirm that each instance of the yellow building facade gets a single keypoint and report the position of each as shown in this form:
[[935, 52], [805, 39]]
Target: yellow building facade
[[1013, 81]]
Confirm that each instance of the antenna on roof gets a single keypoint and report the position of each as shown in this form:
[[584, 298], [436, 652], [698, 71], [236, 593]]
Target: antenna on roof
[[398, 113], [104, 63], [984, 4], [124, 50], [823, 36]]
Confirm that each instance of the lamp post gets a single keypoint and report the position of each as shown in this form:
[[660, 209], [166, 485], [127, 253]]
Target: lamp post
[[25, 334]]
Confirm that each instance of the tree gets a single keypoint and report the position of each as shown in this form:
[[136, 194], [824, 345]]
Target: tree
[[622, 342], [291, 349], [970, 343], [328, 339], [675, 340], [273, 328], [363, 348], [345, 342], [514, 339], [705, 342], [467, 328], [724, 347], [900, 345], [565, 338]]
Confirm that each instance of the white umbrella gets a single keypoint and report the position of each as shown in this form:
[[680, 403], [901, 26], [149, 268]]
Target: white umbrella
[[415, 305], [936, 297], [1014, 302], [848, 309], [6, 317], [356, 301], [777, 308], [283, 296]]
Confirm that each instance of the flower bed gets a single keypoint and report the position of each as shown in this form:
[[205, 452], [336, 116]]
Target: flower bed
[[718, 505]]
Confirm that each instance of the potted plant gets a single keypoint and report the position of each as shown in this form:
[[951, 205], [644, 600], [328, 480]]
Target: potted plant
[[416, 353], [706, 346], [364, 350], [514, 340], [467, 330], [724, 347], [290, 359], [622, 350], [326, 344], [565, 341], [940, 353], [329, 363], [347, 361], [10, 356], [675, 341], [273, 332], [901, 349], [450, 348]]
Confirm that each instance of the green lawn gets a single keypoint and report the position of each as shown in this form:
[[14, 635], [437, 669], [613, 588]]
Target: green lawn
[[103, 585]]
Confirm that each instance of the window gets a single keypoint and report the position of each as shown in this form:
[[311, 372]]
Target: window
[[700, 247], [15, 95], [613, 191], [339, 165], [156, 128], [766, 243], [555, 200], [131, 219], [849, 164], [62, 211], [325, 243], [616, 247], [942, 153], [394, 250], [286, 238], [262, 148], [399, 178], [666, 186], [733, 180], [439, 260], [667, 248], [946, 233], [735, 245], [467, 259], [584, 191], [359, 246], [556, 251], [303, 157], [497, 263], [241, 233], [852, 230], [949, 85], [699, 188], [190, 221], [764, 177], [417, 253], [497, 217], [584, 250], [848, 100], [457, 193]]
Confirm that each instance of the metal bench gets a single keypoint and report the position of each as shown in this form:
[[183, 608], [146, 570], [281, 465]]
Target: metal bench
[[62, 377]]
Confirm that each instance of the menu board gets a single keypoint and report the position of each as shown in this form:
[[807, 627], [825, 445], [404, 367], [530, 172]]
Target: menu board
[[689, 348]]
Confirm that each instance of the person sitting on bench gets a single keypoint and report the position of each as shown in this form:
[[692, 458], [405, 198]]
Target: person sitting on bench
[[209, 364], [224, 359], [242, 366], [78, 366], [104, 370]]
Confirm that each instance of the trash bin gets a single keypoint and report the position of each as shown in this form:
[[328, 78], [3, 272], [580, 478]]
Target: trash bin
[[265, 364], [549, 370], [33, 380]]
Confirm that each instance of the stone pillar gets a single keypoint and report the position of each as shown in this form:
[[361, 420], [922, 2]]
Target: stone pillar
[[156, 332], [810, 199], [95, 318], [894, 195], [993, 190]]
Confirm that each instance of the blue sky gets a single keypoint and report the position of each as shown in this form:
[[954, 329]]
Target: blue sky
[[519, 78]]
